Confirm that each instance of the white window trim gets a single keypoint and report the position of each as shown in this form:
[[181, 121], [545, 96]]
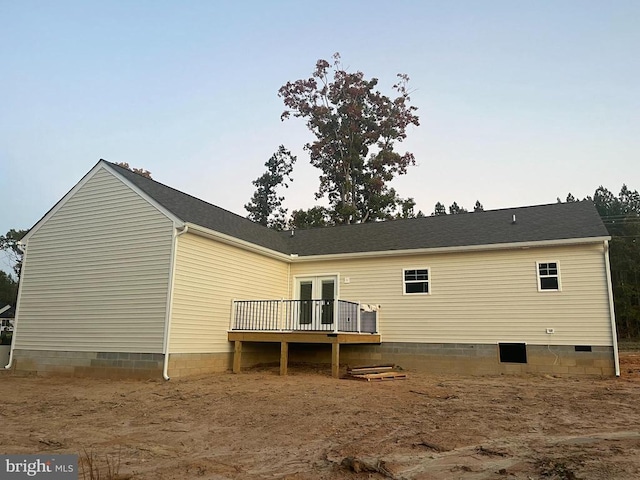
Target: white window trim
[[547, 290], [429, 284]]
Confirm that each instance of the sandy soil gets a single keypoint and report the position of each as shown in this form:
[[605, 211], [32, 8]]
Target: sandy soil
[[258, 425]]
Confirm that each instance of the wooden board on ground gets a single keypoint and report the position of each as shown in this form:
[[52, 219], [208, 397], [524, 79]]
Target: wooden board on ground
[[375, 373], [378, 377], [371, 369]]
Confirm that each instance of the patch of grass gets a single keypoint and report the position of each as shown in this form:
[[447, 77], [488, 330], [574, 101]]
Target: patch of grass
[[555, 469], [92, 469]]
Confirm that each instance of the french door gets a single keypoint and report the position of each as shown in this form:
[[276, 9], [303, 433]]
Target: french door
[[317, 297]]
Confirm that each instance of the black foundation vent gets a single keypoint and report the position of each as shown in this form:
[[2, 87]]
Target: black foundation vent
[[583, 348], [513, 352]]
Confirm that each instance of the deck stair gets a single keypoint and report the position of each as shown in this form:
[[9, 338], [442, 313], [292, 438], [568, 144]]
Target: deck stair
[[375, 373]]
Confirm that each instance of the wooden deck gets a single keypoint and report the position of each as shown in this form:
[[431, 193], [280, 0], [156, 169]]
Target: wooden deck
[[285, 338]]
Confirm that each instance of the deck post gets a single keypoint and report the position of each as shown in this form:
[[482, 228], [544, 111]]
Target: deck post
[[237, 356], [335, 359], [284, 357]]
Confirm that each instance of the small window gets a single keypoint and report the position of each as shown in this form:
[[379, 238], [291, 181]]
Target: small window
[[416, 281], [548, 276], [513, 352]]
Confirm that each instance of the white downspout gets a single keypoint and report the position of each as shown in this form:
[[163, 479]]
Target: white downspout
[[15, 320], [614, 333], [167, 321]]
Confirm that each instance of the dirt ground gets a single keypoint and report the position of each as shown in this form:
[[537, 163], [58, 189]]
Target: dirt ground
[[258, 425]]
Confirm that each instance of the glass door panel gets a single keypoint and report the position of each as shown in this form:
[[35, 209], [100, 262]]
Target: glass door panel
[[328, 288], [306, 302]]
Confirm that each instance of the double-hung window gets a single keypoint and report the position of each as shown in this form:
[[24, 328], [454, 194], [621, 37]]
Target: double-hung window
[[416, 281], [548, 276]]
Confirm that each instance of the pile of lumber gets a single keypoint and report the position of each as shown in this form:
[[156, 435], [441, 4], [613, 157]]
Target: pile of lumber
[[375, 373]]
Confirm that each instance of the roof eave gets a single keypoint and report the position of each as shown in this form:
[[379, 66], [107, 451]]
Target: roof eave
[[236, 242], [457, 249]]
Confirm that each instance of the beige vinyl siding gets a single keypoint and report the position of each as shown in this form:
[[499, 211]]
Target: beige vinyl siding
[[208, 275], [96, 273], [483, 297]]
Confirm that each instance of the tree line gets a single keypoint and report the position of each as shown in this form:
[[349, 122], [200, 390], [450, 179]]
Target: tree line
[[621, 215]]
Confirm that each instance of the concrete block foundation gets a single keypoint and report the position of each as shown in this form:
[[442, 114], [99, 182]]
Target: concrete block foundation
[[135, 365], [189, 364], [89, 364], [466, 359]]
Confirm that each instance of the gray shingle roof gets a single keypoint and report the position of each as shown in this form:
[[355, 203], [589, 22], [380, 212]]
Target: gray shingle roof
[[538, 223], [558, 221]]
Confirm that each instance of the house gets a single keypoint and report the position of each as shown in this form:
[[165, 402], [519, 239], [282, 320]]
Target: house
[[125, 276]]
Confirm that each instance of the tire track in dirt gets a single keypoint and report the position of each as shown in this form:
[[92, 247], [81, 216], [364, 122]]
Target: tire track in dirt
[[513, 457]]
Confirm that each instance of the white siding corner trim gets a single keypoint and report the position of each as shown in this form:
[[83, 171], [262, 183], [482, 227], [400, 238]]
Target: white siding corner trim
[[614, 333]]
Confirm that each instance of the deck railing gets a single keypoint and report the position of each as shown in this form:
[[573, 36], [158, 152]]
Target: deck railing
[[302, 315]]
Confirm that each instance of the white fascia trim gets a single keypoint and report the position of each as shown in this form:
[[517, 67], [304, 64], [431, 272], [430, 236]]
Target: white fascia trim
[[465, 248], [177, 222], [236, 242]]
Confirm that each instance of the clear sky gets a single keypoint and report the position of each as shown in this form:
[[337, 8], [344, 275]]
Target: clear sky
[[519, 102]]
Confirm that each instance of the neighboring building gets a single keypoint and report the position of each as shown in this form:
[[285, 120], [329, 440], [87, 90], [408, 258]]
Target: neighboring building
[[126, 276], [7, 314]]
